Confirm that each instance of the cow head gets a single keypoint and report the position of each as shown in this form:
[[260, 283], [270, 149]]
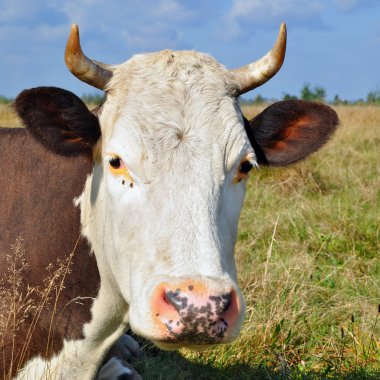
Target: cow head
[[172, 152]]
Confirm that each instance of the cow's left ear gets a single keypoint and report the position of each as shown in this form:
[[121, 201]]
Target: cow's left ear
[[288, 131], [59, 120]]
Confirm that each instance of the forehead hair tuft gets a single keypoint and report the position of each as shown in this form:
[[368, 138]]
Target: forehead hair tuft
[[161, 69]]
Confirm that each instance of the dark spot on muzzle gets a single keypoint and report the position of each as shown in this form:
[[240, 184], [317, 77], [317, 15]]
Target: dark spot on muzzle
[[222, 303]]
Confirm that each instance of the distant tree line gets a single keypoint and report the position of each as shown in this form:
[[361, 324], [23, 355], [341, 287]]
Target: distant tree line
[[5, 100], [316, 93], [92, 99], [373, 97]]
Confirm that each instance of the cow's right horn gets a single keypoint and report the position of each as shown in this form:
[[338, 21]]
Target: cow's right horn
[[94, 73], [257, 73]]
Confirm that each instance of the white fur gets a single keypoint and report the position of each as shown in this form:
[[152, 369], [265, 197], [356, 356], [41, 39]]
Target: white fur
[[173, 119]]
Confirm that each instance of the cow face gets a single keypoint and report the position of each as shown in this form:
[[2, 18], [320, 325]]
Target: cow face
[[170, 183], [172, 152]]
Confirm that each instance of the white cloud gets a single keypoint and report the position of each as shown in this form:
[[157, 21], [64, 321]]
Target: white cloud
[[352, 5], [171, 9], [136, 24], [245, 14], [16, 10]]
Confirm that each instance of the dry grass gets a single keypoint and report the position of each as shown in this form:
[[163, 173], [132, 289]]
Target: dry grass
[[21, 307], [8, 117]]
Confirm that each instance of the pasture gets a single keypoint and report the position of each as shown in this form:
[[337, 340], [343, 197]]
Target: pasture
[[309, 267]]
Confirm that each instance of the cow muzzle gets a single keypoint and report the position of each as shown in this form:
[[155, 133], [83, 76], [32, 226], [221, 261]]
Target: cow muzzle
[[192, 313]]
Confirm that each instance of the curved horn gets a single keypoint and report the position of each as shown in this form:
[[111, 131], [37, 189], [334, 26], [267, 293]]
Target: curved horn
[[255, 74], [94, 73]]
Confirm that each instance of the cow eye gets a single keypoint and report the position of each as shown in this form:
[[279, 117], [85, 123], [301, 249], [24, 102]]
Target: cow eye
[[117, 165], [115, 162], [118, 168], [244, 168]]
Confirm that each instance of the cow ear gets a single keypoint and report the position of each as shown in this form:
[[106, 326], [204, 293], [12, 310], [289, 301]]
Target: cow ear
[[59, 120], [288, 131]]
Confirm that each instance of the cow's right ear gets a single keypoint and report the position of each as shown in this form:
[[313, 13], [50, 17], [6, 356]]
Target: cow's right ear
[[290, 130], [59, 120]]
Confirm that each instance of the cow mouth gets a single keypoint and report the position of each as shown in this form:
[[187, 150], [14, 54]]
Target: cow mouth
[[197, 336]]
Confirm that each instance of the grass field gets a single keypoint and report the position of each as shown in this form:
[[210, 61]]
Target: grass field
[[309, 266]]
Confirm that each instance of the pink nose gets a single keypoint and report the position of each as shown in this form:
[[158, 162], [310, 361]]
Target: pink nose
[[189, 313]]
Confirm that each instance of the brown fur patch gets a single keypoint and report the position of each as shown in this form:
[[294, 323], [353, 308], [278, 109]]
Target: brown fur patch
[[37, 190]]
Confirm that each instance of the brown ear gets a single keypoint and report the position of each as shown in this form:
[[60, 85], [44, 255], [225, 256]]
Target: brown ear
[[288, 131], [59, 120]]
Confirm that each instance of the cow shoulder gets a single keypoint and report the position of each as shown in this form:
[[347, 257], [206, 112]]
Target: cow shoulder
[[58, 119], [290, 130]]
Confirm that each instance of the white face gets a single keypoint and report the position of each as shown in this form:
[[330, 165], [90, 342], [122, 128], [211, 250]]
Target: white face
[[164, 204]]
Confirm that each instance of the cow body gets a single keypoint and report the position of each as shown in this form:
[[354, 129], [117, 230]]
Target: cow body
[[37, 190], [171, 153]]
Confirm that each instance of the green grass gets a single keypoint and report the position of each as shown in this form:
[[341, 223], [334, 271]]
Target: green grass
[[309, 266]]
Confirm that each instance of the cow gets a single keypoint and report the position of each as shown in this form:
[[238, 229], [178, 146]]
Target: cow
[[171, 152]]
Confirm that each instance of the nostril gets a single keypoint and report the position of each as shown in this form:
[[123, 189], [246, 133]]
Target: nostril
[[175, 299], [226, 302], [166, 299]]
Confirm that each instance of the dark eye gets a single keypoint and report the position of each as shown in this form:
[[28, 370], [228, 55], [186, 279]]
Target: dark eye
[[245, 167], [115, 162]]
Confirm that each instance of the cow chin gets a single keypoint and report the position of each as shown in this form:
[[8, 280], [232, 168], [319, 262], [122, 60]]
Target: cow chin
[[195, 342]]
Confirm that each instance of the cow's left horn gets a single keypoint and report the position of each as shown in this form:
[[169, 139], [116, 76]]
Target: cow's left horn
[[94, 73], [257, 73]]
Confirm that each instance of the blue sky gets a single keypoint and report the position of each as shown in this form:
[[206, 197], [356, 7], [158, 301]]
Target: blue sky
[[331, 43]]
